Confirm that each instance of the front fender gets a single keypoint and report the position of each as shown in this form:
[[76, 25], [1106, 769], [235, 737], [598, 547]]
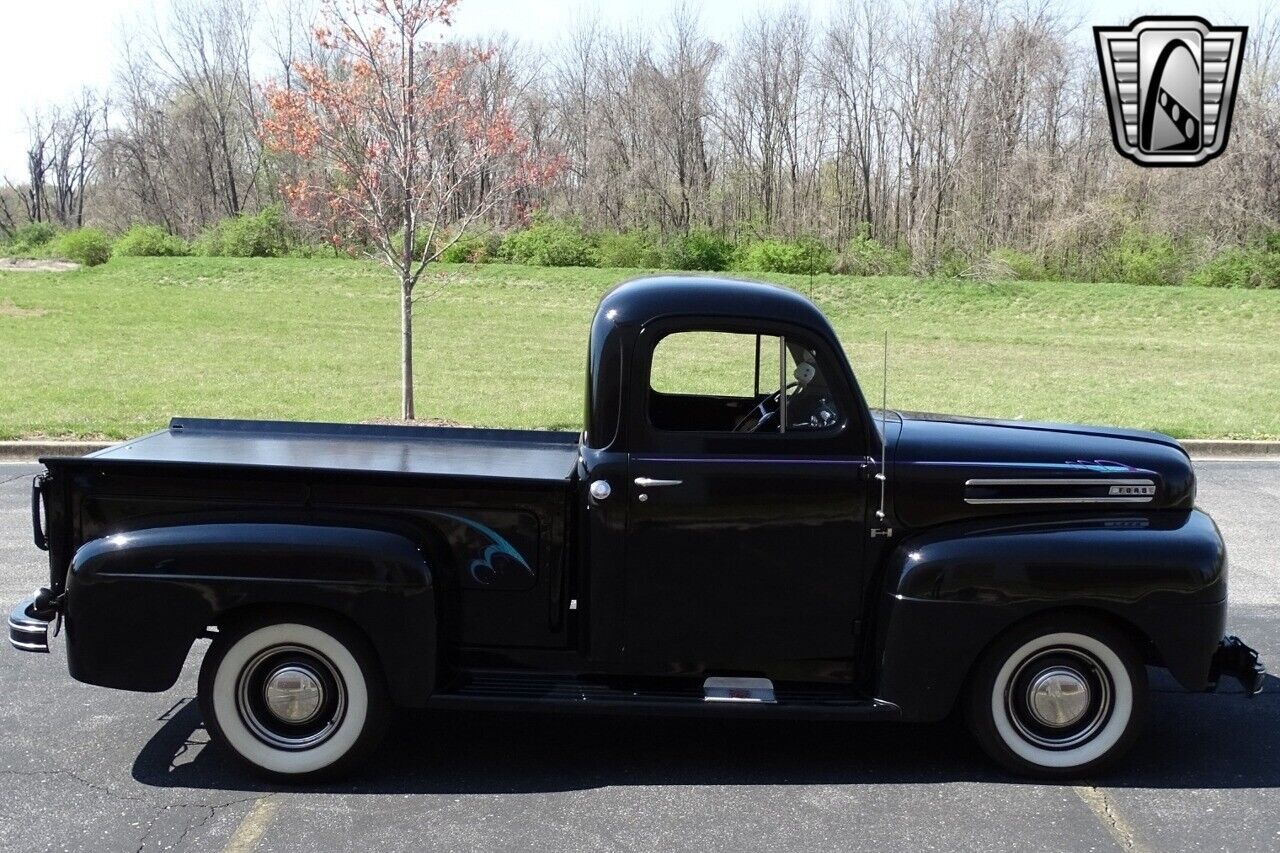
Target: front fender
[[136, 601], [950, 592]]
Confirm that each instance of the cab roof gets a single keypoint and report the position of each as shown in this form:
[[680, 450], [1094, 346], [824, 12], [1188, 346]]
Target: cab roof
[[640, 300]]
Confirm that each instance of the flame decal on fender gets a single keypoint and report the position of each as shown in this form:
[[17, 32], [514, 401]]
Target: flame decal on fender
[[1102, 466], [498, 545]]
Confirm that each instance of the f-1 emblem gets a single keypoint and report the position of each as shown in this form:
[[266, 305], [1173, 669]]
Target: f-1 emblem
[[1170, 85]]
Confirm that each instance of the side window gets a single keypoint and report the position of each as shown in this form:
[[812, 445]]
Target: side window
[[705, 381], [708, 364]]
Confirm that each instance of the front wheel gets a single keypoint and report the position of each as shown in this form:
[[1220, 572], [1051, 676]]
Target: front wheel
[[1059, 697], [295, 698]]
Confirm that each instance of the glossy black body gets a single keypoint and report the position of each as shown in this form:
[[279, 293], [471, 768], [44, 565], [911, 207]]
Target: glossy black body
[[168, 583], [480, 567]]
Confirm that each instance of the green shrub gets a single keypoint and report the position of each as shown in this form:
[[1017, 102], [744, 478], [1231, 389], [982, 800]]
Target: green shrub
[[88, 246], [34, 235], [801, 257], [864, 255], [209, 243], [951, 264], [312, 250], [1019, 266], [549, 243], [467, 249], [1141, 258], [699, 250], [34, 239], [150, 241], [24, 250], [629, 249], [419, 243], [264, 234], [1240, 267]]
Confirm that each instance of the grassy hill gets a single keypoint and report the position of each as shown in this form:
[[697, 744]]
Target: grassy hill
[[115, 350]]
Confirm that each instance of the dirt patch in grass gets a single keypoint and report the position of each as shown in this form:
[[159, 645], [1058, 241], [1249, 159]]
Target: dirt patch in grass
[[37, 265], [8, 309], [422, 422]]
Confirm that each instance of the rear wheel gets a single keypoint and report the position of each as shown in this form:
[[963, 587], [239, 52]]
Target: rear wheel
[[295, 698], [1059, 697]]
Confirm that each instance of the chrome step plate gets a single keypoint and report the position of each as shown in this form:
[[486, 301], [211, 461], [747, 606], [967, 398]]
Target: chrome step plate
[[719, 688]]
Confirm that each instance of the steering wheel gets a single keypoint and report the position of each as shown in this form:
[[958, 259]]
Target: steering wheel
[[763, 411]]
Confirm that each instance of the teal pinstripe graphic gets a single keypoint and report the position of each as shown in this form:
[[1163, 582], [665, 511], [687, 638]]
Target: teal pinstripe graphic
[[497, 545]]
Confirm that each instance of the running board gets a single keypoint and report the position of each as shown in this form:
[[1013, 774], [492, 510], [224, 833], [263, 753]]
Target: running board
[[717, 696]]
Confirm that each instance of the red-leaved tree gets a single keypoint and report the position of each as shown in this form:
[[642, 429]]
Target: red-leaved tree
[[388, 148]]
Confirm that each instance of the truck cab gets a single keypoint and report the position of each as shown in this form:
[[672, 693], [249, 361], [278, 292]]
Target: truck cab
[[733, 531], [728, 484]]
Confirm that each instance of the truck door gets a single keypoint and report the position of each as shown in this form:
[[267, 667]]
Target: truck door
[[747, 489]]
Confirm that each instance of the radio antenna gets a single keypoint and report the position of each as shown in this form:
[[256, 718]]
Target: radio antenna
[[882, 476]]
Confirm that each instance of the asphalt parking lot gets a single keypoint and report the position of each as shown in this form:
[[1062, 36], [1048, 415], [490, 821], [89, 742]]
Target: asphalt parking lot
[[84, 768]]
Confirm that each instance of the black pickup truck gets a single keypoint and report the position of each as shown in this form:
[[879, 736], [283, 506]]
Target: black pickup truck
[[734, 531]]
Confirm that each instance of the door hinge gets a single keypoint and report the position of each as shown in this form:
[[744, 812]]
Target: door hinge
[[886, 532]]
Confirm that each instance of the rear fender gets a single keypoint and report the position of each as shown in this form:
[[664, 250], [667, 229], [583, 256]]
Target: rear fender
[[136, 601], [950, 592]]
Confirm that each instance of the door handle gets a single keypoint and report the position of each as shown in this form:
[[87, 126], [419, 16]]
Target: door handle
[[650, 483]]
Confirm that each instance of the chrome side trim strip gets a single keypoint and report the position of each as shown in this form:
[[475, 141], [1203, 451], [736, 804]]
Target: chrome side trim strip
[[28, 629], [1060, 481], [1067, 481], [1097, 500], [29, 647]]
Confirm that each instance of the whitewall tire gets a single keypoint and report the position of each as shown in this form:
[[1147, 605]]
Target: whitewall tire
[[1058, 697], [293, 697]]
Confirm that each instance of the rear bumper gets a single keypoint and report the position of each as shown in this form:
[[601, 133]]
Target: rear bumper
[[1233, 658], [29, 625]]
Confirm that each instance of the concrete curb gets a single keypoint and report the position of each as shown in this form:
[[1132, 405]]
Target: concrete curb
[[1207, 448], [1198, 448], [30, 451]]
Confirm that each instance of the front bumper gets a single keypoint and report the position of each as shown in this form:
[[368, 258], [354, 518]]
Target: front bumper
[[29, 623], [1235, 659]]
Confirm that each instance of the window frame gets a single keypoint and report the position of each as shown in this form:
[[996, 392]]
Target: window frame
[[752, 378], [646, 437]]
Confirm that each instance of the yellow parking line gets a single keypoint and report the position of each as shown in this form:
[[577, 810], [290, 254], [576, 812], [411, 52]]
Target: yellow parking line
[[252, 827], [1112, 821]]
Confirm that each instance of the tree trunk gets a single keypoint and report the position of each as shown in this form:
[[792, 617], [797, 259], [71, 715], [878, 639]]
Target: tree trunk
[[406, 350], [410, 226]]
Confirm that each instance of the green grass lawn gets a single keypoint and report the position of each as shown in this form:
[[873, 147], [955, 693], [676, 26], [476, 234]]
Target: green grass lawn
[[116, 350]]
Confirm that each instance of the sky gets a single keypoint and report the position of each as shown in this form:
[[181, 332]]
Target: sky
[[56, 47]]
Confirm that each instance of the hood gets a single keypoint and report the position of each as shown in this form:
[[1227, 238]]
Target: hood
[[947, 467]]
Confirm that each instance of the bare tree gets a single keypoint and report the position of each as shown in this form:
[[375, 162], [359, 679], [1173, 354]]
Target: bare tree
[[74, 132], [204, 53], [33, 194], [949, 128]]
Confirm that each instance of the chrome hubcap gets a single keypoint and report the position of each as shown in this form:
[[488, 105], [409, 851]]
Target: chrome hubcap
[[291, 697], [1058, 697], [293, 694]]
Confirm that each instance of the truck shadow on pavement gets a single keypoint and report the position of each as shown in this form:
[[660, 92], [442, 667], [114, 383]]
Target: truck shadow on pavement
[[1191, 741]]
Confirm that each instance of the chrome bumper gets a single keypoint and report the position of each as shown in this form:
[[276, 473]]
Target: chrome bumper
[[28, 629]]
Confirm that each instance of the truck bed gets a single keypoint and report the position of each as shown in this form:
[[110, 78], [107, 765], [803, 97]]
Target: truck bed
[[522, 455]]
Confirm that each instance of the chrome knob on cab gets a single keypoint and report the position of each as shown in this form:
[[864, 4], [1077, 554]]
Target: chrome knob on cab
[[601, 489]]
